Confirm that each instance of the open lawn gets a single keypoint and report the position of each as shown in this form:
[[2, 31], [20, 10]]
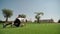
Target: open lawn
[[47, 28]]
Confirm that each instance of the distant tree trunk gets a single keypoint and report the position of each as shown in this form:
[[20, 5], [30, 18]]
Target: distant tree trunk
[[6, 19], [38, 20]]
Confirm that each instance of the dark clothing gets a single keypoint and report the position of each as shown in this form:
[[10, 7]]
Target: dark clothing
[[59, 21], [17, 22]]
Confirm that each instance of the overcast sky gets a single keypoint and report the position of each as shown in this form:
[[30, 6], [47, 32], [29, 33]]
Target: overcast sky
[[50, 8]]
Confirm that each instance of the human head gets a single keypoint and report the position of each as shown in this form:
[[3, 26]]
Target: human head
[[19, 16]]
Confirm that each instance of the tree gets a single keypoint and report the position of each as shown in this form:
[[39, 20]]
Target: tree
[[38, 16], [7, 13], [23, 15]]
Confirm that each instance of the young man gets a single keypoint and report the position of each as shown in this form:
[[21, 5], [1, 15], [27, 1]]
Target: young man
[[18, 21]]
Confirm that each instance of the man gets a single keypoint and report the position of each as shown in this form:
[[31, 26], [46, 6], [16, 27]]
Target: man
[[17, 21]]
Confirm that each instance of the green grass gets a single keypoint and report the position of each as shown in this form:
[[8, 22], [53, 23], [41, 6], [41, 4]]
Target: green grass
[[53, 28]]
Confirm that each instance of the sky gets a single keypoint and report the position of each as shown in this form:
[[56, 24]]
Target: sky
[[50, 8]]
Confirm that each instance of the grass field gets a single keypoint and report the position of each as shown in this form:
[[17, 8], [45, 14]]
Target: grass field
[[50, 28]]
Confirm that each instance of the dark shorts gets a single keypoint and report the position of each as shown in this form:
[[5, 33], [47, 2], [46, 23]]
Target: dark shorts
[[17, 22]]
